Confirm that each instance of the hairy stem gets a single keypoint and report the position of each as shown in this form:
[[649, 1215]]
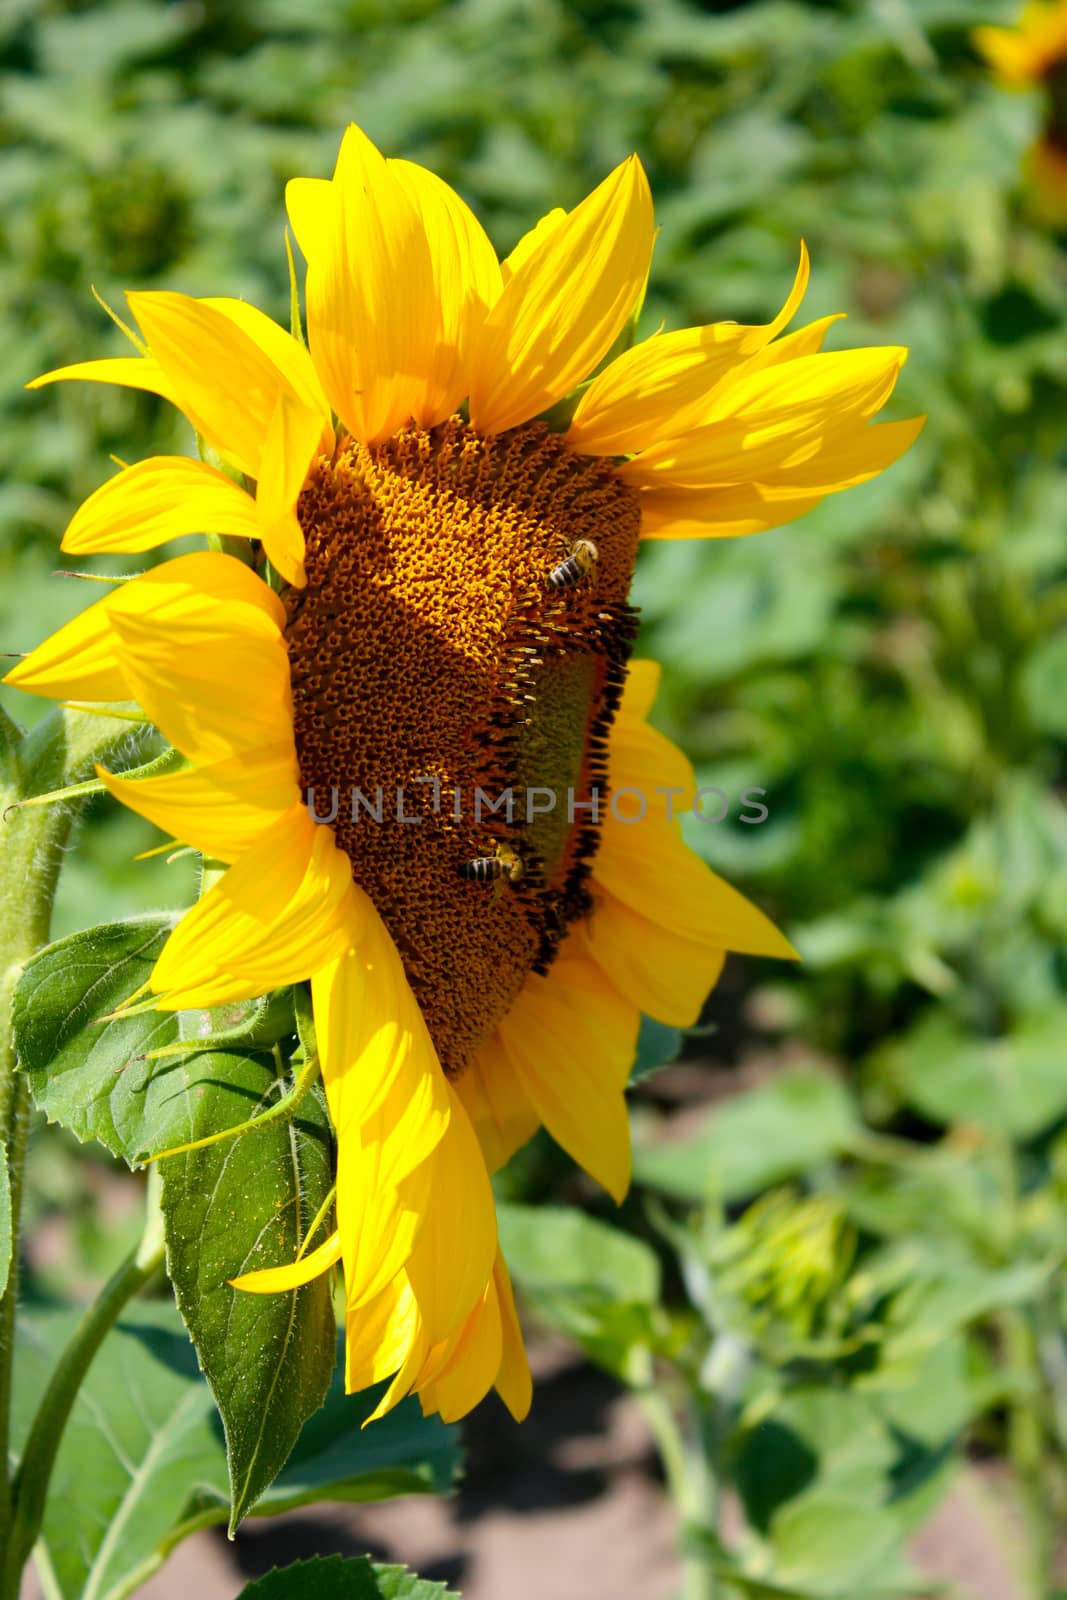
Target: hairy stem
[[30, 1485], [59, 752]]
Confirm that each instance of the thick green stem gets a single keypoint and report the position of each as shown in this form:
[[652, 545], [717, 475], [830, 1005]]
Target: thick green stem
[[31, 843], [58, 753], [1026, 1449], [691, 1485]]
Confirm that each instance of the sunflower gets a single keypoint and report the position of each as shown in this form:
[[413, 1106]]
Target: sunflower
[[414, 733], [1032, 50], [1034, 55]]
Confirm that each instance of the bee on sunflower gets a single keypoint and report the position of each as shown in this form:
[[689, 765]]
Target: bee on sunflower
[[413, 488], [1033, 54]]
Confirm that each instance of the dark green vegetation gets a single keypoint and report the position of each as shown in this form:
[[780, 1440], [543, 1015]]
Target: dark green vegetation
[[892, 670]]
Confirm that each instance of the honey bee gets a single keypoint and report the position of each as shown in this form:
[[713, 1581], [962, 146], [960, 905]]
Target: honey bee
[[487, 869], [581, 561]]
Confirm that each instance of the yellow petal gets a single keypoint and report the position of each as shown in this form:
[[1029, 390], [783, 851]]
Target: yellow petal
[[457, 1244], [663, 973], [271, 1280], [641, 688], [381, 1336], [652, 390], [130, 372], [844, 459], [200, 644], [571, 1038], [649, 868], [293, 440], [220, 377], [565, 303], [850, 458], [642, 758], [404, 1380], [279, 913], [380, 1222], [312, 207], [467, 281], [197, 641], [807, 341], [1023, 55], [776, 417], [513, 1382], [497, 1104], [828, 383], [371, 296], [286, 353], [80, 661], [373, 1043], [531, 241], [388, 1101], [472, 1367], [728, 513], [221, 809], [159, 499]]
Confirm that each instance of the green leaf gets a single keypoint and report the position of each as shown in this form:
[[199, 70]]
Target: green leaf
[[657, 1046], [336, 1458], [5, 1220], [92, 1076], [593, 1282], [140, 1436], [833, 1544], [334, 1578], [238, 1205], [143, 1461], [814, 1437], [802, 1119], [1042, 684], [940, 1294], [556, 1247], [1015, 1085]]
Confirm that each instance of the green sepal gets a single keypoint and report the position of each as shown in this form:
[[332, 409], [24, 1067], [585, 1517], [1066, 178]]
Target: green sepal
[[11, 737], [296, 326], [168, 760]]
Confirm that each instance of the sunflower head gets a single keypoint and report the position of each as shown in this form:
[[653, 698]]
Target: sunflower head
[[438, 674], [413, 729], [1032, 52], [1034, 55]]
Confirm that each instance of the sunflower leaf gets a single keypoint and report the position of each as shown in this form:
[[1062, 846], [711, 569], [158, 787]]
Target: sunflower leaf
[[657, 1046], [786, 1127], [593, 1282], [90, 1070], [142, 1464], [335, 1578], [239, 1204]]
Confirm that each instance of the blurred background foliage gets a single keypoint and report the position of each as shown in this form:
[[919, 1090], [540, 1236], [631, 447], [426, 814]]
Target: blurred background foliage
[[892, 671]]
